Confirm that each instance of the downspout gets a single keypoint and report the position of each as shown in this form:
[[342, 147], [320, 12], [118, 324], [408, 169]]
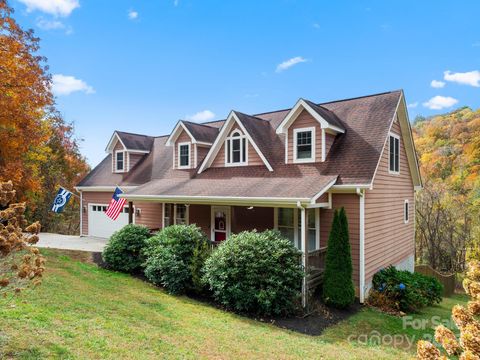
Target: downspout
[[361, 194], [81, 213], [303, 241]]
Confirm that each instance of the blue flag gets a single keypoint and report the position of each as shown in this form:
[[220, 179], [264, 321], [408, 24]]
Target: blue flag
[[61, 200]]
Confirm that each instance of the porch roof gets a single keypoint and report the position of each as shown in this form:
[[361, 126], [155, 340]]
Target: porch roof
[[245, 190]]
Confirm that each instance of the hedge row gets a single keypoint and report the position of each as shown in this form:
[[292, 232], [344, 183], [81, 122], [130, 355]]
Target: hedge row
[[252, 272]]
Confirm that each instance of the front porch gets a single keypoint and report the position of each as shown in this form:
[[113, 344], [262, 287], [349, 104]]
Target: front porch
[[307, 228]]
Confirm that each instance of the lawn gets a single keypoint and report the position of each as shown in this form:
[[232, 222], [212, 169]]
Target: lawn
[[84, 312]]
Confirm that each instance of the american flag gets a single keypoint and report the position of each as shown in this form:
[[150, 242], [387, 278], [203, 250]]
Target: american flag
[[116, 205]]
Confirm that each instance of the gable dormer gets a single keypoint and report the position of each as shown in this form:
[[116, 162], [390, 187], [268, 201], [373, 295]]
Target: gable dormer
[[310, 131], [190, 143], [239, 143], [127, 150]]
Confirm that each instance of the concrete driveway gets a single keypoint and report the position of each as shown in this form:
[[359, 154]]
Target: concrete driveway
[[71, 242]]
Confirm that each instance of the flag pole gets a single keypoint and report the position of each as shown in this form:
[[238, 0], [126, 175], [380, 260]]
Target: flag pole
[[71, 192]]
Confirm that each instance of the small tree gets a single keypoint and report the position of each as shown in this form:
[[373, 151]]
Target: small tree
[[338, 288], [21, 265]]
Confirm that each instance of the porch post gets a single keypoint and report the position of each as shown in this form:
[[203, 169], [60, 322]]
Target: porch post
[[304, 242], [130, 212]]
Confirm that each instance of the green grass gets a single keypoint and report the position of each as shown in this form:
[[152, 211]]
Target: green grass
[[83, 312]]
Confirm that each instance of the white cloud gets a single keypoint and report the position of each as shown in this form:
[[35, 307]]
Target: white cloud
[[132, 14], [476, 44], [65, 85], [413, 105], [471, 78], [46, 24], [201, 116], [437, 84], [440, 102], [54, 7], [289, 63]]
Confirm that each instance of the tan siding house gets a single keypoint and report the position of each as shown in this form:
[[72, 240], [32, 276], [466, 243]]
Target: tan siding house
[[287, 170]]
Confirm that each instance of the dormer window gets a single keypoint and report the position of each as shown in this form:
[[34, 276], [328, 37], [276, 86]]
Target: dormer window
[[184, 155], [304, 145], [119, 161], [236, 149]]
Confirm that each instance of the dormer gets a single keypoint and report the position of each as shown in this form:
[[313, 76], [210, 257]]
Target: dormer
[[241, 142], [190, 143], [127, 150], [309, 131]]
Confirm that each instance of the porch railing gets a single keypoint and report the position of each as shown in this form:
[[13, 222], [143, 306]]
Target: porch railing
[[316, 258]]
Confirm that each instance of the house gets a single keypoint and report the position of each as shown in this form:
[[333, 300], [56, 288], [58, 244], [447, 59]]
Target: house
[[287, 169]]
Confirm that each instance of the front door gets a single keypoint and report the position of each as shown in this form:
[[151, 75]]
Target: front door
[[220, 223]]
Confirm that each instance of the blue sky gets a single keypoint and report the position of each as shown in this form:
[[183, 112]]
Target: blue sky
[[139, 66]]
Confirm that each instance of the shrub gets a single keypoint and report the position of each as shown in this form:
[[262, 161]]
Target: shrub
[[338, 290], [124, 251], [258, 273], [175, 258], [408, 291]]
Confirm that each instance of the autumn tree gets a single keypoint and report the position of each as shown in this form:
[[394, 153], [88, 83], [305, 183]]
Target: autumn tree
[[25, 100], [38, 149], [448, 208]]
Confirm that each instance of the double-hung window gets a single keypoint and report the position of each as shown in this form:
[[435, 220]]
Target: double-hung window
[[183, 155], [175, 214], [394, 150], [289, 225], [236, 149], [304, 145], [119, 161]]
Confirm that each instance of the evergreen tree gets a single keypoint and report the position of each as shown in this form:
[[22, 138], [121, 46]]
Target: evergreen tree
[[338, 290]]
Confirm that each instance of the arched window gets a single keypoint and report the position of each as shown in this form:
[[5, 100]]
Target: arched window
[[236, 149]]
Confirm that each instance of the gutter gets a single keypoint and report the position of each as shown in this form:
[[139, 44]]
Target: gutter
[[230, 200], [361, 194]]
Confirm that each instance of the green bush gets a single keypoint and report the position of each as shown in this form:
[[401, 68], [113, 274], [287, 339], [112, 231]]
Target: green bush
[[258, 273], [124, 250], [175, 258], [338, 290], [407, 291]]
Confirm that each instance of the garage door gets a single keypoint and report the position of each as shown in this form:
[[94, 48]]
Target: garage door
[[100, 225]]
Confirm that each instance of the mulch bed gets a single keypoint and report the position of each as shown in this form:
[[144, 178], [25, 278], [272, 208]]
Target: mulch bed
[[314, 323], [318, 320]]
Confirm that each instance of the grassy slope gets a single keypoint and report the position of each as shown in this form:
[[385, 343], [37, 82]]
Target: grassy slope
[[81, 311]]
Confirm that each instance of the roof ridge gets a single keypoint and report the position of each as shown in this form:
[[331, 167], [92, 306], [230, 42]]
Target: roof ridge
[[251, 116], [130, 133], [359, 97], [200, 124]]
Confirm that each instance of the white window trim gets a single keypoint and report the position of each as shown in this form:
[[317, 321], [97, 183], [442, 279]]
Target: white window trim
[[124, 161], [307, 160], [296, 227], [189, 155], [187, 213], [406, 219], [230, 138], [389, 150], [228, 212]]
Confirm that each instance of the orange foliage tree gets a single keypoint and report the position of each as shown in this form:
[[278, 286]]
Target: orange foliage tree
[[38, 148], [448, 209]]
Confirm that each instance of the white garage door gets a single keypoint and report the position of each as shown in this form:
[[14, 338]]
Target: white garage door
[[100, 225]]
